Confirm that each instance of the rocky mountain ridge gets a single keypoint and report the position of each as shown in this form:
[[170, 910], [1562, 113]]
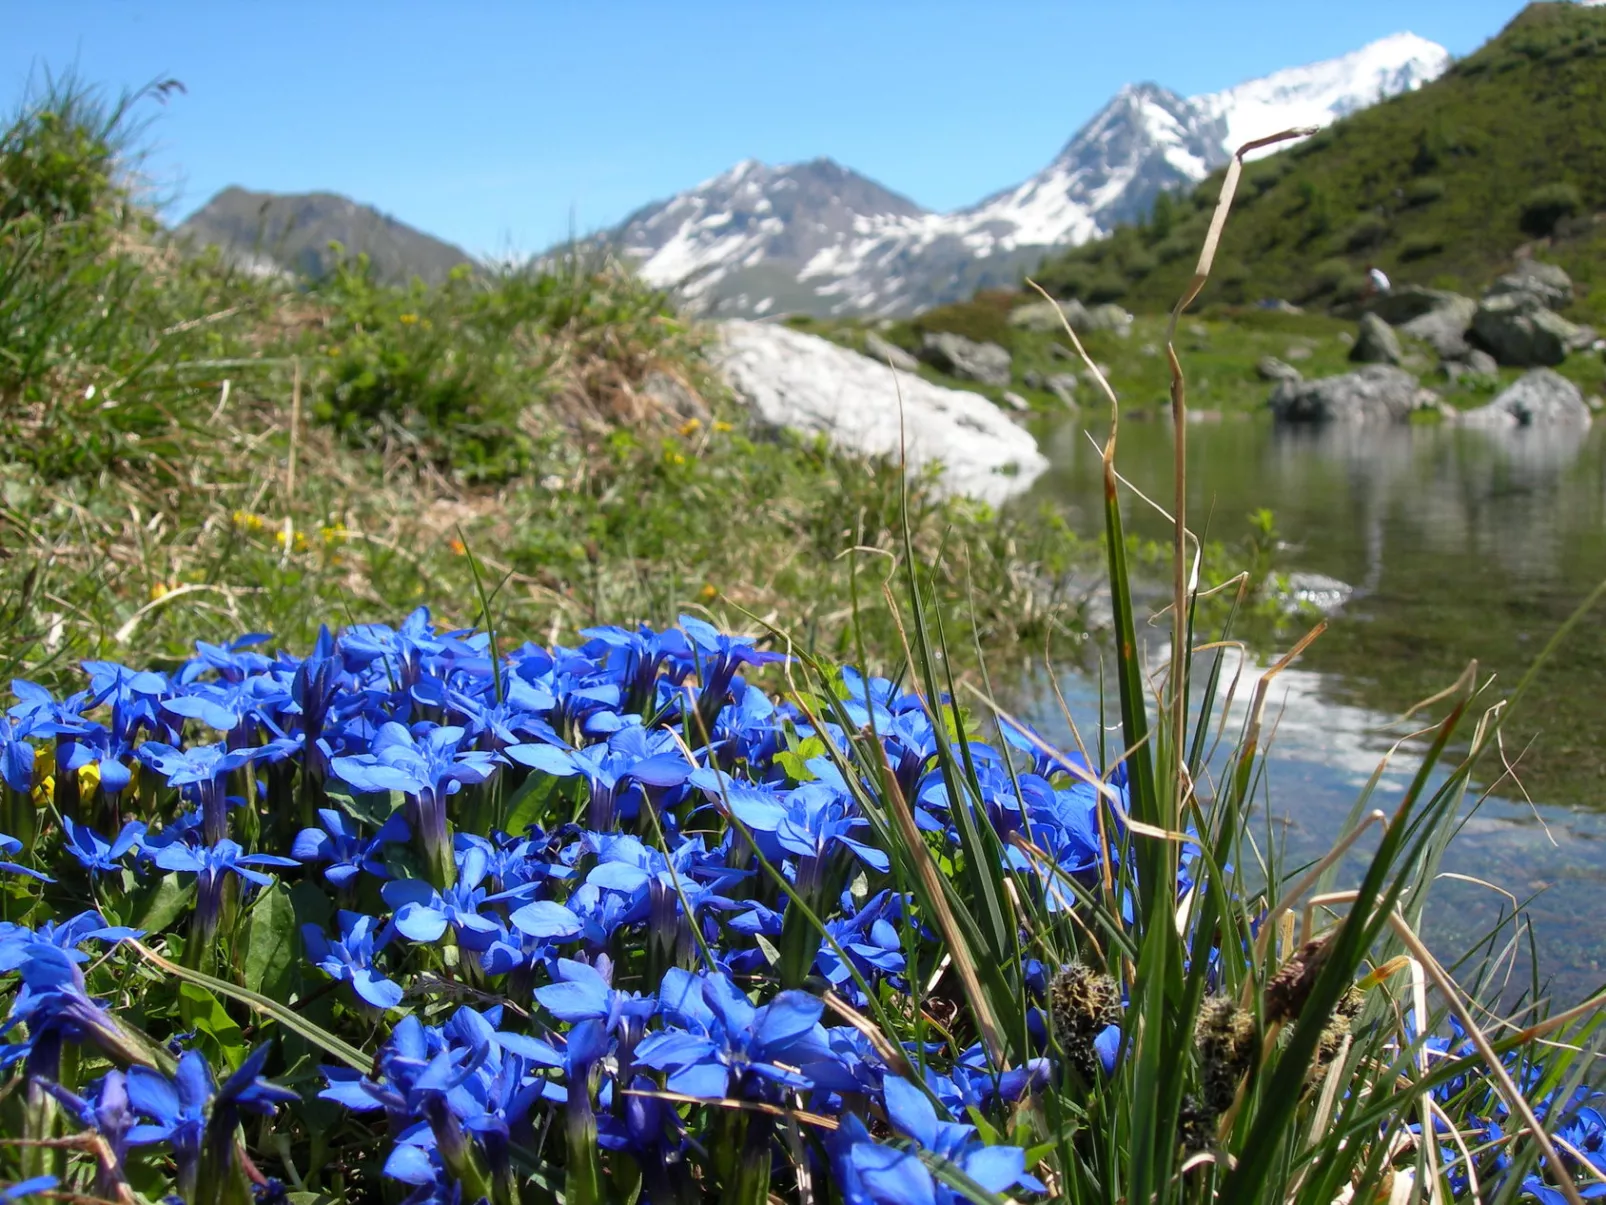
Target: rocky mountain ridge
[[819, 238]]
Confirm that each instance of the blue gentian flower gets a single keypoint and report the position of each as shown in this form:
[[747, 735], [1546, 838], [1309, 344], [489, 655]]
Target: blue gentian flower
[[346, 852], [96, 854], [211, 866], [350, 957], [720, 1035], [427, 770]]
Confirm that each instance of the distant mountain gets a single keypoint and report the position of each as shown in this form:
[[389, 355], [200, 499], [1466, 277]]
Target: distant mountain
[[1443, 186], [819, 238], [291, 233]]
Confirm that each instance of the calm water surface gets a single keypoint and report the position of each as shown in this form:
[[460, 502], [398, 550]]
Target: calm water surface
[[1460, 544]]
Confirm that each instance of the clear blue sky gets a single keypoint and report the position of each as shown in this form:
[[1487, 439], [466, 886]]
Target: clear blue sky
[[496, 124]]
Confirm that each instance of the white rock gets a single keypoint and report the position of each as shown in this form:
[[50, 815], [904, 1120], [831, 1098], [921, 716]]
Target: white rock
[[800, 381]]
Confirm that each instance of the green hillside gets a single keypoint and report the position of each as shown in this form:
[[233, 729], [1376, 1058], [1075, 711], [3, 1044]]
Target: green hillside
[[1438, 187]]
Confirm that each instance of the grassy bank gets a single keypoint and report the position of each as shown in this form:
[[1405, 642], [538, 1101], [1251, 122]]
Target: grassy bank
[[197, 450]]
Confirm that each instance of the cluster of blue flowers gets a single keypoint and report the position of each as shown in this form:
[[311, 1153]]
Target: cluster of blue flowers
[[610, 910], [612, 851]]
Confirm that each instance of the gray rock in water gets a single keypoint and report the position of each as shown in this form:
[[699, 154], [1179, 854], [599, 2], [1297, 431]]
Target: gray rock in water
[[1376, 343], [1063, 386], [1378, 393], [1045, 316], [1445, 326], [1270, 368], [1109, 317], [791, 379], [1016, 403], [1517, 330], [965, 358], [1317, 590], [889, 353], [1540, 398], [1546, 282]]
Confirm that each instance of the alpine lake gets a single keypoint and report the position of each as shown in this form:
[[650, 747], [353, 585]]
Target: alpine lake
[[1444, 545]]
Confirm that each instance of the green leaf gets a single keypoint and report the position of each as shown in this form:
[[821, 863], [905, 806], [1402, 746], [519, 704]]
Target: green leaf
[[160, 904], [205, 1012], [270, 943], [319, 1037], [530, 802], [311, 905]]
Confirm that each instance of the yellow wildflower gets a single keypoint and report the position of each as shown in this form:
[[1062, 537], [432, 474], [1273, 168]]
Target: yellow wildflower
[[691, 426], [335, 533], [458, 547], [159, 590], [409, 319], [249, 522], [721, 426], [708, 593], [674, 458], [300, 544], [88, 778]]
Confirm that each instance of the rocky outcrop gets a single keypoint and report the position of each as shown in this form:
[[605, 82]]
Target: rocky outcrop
[[1270, 368], [1475, 363], [1438, 317], [1376, 343], [796, 380], [1378, 393], [1047, 317], [1519, 331], [1445, 326], [1061, 384], [1540, 398], [1546, 283], [1109, 317], [965, 358], [889, 353]]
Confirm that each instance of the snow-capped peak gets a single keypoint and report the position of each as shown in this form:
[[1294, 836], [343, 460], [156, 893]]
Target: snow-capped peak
[[1321, 93], [816, 237]]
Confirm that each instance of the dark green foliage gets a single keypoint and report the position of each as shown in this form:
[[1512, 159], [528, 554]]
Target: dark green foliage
[[984, 318], [1424, 191], [1431, 186], [1547, 205]]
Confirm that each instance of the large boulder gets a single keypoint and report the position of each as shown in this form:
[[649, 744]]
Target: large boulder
[[1378, 393], [792, 379], [889, 353], [1409, 302], [1540, 398], [1519, 331], [1551, 286], [1376, 343], [965, 358], [1109, 317], [1046, 317], [1445, 326]]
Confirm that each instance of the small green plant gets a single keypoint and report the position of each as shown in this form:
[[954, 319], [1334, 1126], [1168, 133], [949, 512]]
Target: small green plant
[[1546, 206]]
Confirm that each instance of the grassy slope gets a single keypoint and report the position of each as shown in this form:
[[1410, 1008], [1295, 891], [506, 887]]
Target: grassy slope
[[150, 403], [1429, 185]]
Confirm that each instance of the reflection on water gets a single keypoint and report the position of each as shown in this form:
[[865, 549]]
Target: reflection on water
[[1461, 544], [1549, 860]]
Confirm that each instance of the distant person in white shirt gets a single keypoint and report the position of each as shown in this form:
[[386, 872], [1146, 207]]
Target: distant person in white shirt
[[1377, 284]]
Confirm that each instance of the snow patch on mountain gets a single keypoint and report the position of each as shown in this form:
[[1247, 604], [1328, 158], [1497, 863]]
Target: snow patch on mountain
[[1324, 92], [818, 238]]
